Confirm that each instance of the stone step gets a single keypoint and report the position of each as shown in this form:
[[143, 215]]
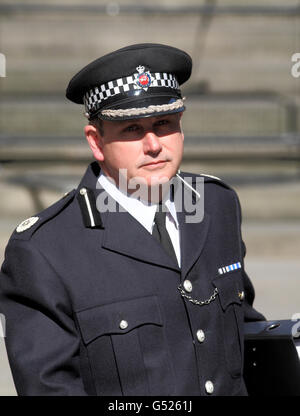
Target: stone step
[[233, 52]]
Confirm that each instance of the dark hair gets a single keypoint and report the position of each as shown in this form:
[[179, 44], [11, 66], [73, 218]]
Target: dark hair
[[98, 123]]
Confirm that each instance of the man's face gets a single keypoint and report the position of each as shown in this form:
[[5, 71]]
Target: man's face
[[148, 148]]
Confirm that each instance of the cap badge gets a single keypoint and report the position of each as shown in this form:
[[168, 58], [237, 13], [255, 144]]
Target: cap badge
[[142, 78], [26, 224]]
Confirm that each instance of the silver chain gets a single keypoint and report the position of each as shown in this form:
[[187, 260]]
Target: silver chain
[[195, 301]]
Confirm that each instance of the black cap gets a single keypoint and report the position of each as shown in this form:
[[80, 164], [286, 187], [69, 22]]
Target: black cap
[[137, 81]]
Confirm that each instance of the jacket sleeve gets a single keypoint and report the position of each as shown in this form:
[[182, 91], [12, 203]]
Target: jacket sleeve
[[41, 338], [250, 314]]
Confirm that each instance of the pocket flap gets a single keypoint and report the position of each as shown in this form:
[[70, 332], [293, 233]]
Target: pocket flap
[[228, 288], [105, 319]]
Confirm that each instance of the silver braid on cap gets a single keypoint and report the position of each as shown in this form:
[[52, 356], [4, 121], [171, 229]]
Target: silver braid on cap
[[144, 110]]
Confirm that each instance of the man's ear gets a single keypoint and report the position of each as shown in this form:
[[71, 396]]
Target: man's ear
[[180, 121], [95, 141]]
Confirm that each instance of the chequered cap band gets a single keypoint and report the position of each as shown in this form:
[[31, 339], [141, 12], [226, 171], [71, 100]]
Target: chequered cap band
[[93, 98]]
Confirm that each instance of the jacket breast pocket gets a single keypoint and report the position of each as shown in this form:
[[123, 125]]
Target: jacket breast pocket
[[229, 291], [127, 347]]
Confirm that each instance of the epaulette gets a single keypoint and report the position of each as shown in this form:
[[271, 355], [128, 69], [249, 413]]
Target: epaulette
[[214, 179], [28, 227], [207, 178]]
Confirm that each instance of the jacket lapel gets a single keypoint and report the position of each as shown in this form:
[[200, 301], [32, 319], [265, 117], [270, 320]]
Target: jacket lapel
[[125, 235], [192, 237], [122, 233], [192, 234]]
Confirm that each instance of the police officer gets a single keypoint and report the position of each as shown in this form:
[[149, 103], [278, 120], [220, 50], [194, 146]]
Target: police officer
[[119, 290]]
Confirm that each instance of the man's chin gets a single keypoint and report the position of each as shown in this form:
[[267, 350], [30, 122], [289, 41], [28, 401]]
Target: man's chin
[[151, 188], [160, 177], [156, 180], [149, 182]]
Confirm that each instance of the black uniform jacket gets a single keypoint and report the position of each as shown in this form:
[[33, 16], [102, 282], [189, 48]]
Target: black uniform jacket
[[92, 304]]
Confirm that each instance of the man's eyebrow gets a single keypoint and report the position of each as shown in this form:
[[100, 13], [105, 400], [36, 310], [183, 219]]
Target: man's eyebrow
[[123, 122], [164, 115], [138, 120]]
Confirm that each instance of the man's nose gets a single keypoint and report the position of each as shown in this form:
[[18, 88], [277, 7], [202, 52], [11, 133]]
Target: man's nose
[[152, 143]]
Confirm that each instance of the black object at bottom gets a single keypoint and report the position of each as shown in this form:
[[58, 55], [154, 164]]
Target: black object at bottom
[[272, 363]]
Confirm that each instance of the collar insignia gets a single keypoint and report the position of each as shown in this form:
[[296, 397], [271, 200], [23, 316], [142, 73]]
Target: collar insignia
[[26, 224]]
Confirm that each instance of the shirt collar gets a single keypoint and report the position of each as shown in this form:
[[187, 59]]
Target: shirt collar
[[172, 210], [139, 209]]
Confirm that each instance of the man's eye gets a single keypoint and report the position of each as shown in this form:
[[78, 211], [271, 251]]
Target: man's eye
[[133, 127], [162, 122]]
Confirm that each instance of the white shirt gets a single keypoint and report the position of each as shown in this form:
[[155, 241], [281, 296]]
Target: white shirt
[[145, 213]]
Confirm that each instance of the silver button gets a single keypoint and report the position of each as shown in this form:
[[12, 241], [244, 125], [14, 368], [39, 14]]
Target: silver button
[[82, 191], [200, 335], [209, 387], [187, 286], [241, 295], [123, 324]]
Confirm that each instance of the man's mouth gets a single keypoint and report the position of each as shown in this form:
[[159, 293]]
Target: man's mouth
[[155, 163]]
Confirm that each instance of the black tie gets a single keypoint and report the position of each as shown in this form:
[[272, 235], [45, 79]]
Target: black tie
[[161, 234]]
